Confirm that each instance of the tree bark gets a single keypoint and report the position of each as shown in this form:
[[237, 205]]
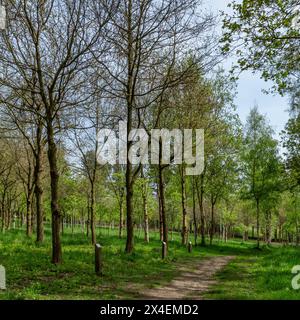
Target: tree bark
[[38, 190], [200, 195], [257, 223], [28, 215], [92, 213], [194, 213], [212, 222], [183, 206], [120, 218], [145, 208], [162, 197], [268, 227], [160, 214], [129, 208], [54, 177], [130, 105]]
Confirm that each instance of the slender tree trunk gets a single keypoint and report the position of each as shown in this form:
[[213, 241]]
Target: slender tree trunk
[[120, 218], [38, 192], [160, 214], [54, 177], [183, 206], [28, 216], [62, 226], [257, 223], [200, 195], [92, 213], [269, 227], [129, 194], [129, 207], [276, 234], [162, 196], [145, 208], [130, 105], [72, 223], [33, 216], [212, 222], [194, 212], [88, 218]]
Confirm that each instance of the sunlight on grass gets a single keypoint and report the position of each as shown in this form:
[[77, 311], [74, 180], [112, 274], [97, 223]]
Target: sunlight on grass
[[254, 274]]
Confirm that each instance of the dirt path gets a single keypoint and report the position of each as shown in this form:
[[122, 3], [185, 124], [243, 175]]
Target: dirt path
[[193, 282]]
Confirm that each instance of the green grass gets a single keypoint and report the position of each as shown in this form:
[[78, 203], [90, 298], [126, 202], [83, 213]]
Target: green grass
[[262, 275], [30, 275], [254, 274]]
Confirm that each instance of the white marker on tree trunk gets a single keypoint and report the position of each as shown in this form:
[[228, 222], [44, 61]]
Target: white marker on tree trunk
[[2, 278]]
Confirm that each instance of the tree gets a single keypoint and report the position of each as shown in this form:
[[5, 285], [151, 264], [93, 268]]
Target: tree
[[31, 126], [291, 141], [261, 166], [146, 38], [265, 37], [51, 56]]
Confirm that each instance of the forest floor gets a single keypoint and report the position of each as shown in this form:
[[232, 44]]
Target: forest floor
[[232, 270]]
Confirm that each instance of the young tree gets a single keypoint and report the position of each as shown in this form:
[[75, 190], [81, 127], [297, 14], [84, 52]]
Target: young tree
[[261, 166], [31, 127]]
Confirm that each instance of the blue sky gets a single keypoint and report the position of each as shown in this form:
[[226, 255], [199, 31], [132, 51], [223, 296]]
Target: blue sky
[[250, 89]]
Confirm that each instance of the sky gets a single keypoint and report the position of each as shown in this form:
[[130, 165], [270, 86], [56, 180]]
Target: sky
[[250, 88]]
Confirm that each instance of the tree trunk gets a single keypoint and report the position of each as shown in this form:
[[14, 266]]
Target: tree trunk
[[92, 213], [160, 214], [212, 222], [183, 206], [38, 192], [130, 105], [88, 219], [120, 218], [62, 226], [129, 208], [257, 223], [28, 216], [146, 220], [54, 177], [275, 234], [268, 227], [200, 195], [162, 198], [145, 208], [194, 212]]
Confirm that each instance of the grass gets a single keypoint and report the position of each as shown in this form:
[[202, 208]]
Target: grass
[[254, 274], [30, 275], [262, 275]]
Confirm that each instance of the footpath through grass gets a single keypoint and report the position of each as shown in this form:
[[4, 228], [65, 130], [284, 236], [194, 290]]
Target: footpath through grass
[[30, 275]]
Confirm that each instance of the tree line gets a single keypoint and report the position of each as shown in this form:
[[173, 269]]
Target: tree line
[[81, 66]]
